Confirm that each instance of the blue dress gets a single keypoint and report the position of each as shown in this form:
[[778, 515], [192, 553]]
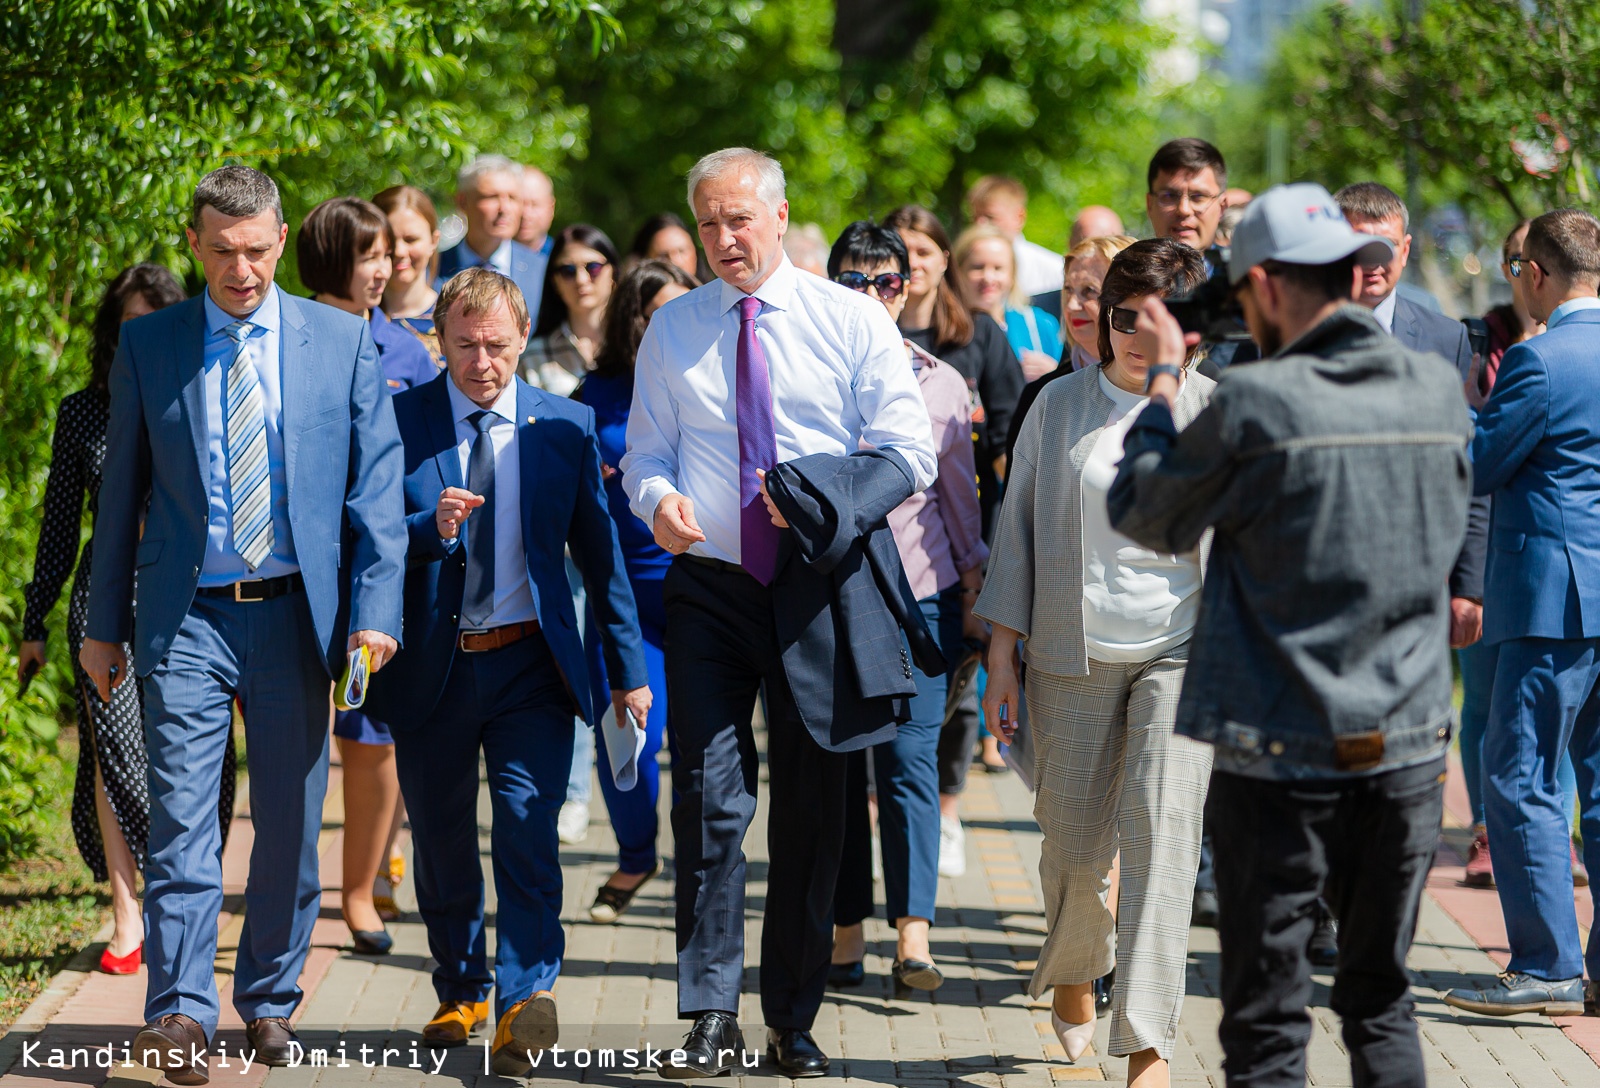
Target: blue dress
[[633, 812], [405, 363], [1031, 329]]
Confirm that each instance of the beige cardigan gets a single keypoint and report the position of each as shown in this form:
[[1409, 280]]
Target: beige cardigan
[[1034, 583]]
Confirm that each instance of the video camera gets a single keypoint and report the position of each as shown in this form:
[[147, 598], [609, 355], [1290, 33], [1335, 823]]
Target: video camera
[[1211, 308]]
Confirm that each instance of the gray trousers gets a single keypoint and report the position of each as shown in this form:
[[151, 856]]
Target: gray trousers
[[1111, 774]]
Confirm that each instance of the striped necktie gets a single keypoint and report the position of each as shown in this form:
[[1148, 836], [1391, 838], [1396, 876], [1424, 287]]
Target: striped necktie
[[249, 483]]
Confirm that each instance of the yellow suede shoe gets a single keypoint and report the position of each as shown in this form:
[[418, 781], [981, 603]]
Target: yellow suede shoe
[[454, 1021], [527, 1028]]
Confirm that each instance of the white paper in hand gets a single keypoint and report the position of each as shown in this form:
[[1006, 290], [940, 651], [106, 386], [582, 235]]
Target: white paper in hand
[[623, 747]]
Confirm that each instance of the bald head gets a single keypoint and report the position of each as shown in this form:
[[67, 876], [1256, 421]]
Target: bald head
[[538, 207], [1094, 221]]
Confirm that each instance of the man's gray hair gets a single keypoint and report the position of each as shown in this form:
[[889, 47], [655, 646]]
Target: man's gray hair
[[486, 164], [768, 172], [235, 191]]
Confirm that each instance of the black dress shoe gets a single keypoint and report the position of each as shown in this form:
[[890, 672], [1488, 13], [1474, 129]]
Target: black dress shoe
[[273, 1040], [707, 1048], [841, 975], [795, 1053], [1323, 951], [175, 1045], [1205, 908], [912, 975], [371, 942], [1102, 993]]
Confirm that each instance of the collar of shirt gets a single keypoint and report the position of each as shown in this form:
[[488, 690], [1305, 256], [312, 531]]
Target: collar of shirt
[[267, 317], [1384, 312], [1570, 307], [462, 406], [777, 292], [500, 259]]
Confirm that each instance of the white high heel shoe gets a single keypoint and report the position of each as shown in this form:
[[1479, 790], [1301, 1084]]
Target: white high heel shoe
[[1075, 1038]]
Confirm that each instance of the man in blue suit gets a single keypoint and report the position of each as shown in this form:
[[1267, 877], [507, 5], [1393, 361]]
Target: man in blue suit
[[493, 661], [1537, 450], [489, 196], [253, 442]]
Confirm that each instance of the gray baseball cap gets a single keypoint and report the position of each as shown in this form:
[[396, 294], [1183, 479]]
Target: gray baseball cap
[[1299, 224]]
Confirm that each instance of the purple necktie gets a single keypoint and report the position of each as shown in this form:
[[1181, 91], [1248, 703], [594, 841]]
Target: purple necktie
[[758, 449]]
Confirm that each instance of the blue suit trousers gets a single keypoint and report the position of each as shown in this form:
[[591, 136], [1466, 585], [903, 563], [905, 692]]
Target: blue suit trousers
[[265, 653], [1546, 702], [512, 705]]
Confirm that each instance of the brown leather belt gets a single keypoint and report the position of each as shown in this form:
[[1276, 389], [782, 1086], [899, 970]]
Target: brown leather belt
[[477, 642]]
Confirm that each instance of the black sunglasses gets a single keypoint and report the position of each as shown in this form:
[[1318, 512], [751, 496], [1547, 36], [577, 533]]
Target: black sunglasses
[[570, 271], [1125, 320], [1516, 263], [888, 284]]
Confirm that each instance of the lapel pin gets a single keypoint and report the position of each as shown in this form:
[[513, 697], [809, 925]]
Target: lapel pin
[[532, 420]]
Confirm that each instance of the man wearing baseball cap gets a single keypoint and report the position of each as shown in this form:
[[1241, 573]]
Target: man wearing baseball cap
[[1335, 475]]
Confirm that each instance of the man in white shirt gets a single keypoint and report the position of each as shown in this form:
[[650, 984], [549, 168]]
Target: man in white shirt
[[762, 367], [1002, 202]]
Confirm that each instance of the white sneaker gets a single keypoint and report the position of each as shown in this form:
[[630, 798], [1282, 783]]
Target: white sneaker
[[572, 825], [952, 847]]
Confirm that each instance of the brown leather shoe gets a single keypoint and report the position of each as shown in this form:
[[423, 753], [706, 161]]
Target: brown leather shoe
[[527, 1028], [454, 1021], [273, 1040], [175, 1045]]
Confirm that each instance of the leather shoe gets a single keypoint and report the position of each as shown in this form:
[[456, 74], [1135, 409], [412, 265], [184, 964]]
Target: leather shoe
[[1591, 998], [371, 942], [527, 1028], [1516, 992], [841, 975], [454, 1021], [707, 1048], [795, 1053], [273, 1040], [175, 1045], [1323, 949]]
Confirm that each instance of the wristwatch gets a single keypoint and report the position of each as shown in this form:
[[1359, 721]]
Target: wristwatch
[[1161, 368]]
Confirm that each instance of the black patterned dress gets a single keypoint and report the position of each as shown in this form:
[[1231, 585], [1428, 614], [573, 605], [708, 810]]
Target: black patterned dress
[[110, 734]]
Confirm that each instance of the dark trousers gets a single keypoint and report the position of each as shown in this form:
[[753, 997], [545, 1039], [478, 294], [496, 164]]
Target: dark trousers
[[512, 705], [1365, 844], [722, 649], [905, 777]]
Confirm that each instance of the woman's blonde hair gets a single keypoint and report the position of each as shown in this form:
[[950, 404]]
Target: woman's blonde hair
[[965, 242], [1106, 247]]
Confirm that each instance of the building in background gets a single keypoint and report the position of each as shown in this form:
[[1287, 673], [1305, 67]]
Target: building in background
[[1245, 32]]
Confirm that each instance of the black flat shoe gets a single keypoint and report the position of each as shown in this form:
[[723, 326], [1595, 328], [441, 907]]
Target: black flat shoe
[[712, 1048], [912, 975], [841, 975], [1102, 993], [796, 1053], [611, 902], [371, 942]]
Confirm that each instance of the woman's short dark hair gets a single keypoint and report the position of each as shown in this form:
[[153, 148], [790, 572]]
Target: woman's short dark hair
[[1155, 266], [625, 320], [952, 322], [639, 248], [333, 236], [865, 244], [552, 307], [159, 288]]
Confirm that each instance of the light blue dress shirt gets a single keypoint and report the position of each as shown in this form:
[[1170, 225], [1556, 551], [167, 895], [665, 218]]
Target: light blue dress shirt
[[1570, 307], [223, 564]]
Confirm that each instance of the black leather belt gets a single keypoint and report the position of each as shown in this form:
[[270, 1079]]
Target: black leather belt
[[262, 589], [716, 564]]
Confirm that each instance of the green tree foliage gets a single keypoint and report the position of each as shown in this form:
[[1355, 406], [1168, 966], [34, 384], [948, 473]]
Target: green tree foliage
[[110, 111]]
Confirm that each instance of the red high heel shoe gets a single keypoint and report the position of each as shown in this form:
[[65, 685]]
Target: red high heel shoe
[[121, 965]]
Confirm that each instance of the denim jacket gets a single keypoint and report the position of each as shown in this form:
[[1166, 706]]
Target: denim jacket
[[1336, 475]]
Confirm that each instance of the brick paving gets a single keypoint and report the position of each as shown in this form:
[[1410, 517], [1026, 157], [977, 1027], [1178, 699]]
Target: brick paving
[[618, 989]]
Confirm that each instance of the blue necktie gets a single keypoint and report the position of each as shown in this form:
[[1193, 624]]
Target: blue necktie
[[477, 602], [249, 483]]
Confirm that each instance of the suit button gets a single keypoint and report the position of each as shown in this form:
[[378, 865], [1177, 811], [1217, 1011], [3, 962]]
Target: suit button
[[455, 619], [197, 572]]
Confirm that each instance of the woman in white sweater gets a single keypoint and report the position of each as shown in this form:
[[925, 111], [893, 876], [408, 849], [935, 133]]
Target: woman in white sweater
[[1103, 625]]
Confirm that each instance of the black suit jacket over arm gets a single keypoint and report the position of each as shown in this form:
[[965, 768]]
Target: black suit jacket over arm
[[841, 599]]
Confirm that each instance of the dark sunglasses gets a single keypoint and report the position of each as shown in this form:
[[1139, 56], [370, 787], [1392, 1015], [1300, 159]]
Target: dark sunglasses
[[1125, 320], [888, 284], [570, 271], [1516, 263]]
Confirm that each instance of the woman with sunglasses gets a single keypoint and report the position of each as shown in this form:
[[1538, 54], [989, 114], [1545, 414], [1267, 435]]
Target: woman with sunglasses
[[939, 536], [988, 263], [578, 283], [1104, 624]]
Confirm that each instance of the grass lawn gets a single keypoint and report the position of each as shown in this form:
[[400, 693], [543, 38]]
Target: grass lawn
[[50, 906]]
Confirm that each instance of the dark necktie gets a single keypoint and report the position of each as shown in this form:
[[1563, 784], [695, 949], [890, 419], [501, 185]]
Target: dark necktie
[[478, 601], [758, 449]]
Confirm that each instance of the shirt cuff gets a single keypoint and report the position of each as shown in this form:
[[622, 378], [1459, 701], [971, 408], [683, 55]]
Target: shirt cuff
[[651, 492]]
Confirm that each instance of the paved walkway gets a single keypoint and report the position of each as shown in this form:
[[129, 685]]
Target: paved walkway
[[618, 989]]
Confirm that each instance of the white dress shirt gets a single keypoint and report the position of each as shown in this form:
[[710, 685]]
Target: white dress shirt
[[838, 373], [513, 593], [1384, 312], [223, 565], [1038, 269]]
